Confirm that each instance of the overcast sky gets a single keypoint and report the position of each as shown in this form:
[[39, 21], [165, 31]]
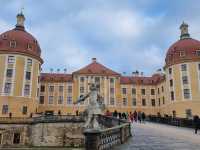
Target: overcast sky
[[125, 35]]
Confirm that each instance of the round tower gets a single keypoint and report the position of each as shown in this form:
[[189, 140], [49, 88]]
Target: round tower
[[20, 64], [182, 67]]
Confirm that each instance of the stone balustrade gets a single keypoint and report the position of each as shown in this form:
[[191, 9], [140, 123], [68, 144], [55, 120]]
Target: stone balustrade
[[41, 119], [63, 131], [118, 132]]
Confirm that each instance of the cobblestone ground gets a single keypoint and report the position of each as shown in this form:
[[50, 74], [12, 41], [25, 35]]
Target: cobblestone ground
[[151, 136]]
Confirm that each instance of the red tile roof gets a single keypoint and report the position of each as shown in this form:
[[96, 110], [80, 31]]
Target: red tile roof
[[55, 77], [22, 39], [187, 46], [155, 79], [96, 68]]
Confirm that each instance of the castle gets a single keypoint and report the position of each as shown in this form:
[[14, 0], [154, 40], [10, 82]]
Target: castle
[[25, 91]]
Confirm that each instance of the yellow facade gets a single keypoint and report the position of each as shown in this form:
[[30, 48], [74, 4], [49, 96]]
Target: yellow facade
[[14, 96]]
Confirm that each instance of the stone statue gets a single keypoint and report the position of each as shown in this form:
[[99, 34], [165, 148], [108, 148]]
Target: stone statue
[[94, 107]]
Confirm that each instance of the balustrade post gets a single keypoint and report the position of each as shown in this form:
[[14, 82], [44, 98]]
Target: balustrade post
[[92, 139], [122, 135]]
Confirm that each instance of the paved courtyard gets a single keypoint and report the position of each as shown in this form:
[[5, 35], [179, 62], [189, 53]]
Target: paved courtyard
[[151, 136]]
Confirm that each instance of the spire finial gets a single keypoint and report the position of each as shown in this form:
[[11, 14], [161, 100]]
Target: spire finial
[[20, 19], [184, 31]]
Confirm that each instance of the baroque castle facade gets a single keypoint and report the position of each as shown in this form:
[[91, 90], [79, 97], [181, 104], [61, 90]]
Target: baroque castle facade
[[25, 91]]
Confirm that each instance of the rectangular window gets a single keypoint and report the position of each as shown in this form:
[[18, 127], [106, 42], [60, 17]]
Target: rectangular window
[[60, 100], [124, 101], [143, 91], [162, 89], [82, 89], [163, 98], [184, 67], [42, 88], [41, 101], [61, 88], [111, 80], [27, 90], [5, 109], [112, 101], [186, 93], [124, 90], [159, 102], [182, 53], [69, 89], [153, 102], [152, 92], [50, 100], [158, 91], [7, 88], [11, 59], [143, 102], [170, 70], [185, 79], [82, 79], [134, 103], [69, 100], [198, 52], [171, 82], [97, 80], [112, 90], [172, 95], [29, 62], [28, 75], [199, 66], [24, 110], [9, 73], [133, 91], [51, 88]]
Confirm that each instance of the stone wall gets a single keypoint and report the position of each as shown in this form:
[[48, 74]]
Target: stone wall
[[43, 134]]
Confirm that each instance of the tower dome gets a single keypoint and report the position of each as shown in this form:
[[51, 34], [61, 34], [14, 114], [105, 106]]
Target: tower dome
[[186, 49], [19, 41]]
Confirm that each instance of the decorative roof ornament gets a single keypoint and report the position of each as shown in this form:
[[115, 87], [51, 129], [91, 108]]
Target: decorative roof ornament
[[20, 19], [184, 31]]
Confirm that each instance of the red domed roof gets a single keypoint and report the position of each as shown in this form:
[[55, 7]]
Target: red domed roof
[[184, 50], [19, 41]]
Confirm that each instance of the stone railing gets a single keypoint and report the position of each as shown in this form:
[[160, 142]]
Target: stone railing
[[181, 122], [118, 132], [41, 119]]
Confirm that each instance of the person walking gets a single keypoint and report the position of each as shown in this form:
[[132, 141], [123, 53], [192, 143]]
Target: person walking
[[131, 115], [196, 122], [140, 117], [143, 117], [135, 116]]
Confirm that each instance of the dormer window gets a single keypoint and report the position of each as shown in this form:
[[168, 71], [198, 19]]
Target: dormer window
[[29, 46], [198, 52], [13, 44], [182, 53]]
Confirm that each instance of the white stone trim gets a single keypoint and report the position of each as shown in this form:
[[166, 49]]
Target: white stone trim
[[13, 77], [33, 63], [198, 73], [24, 79], [189, 81], [4, 77]]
